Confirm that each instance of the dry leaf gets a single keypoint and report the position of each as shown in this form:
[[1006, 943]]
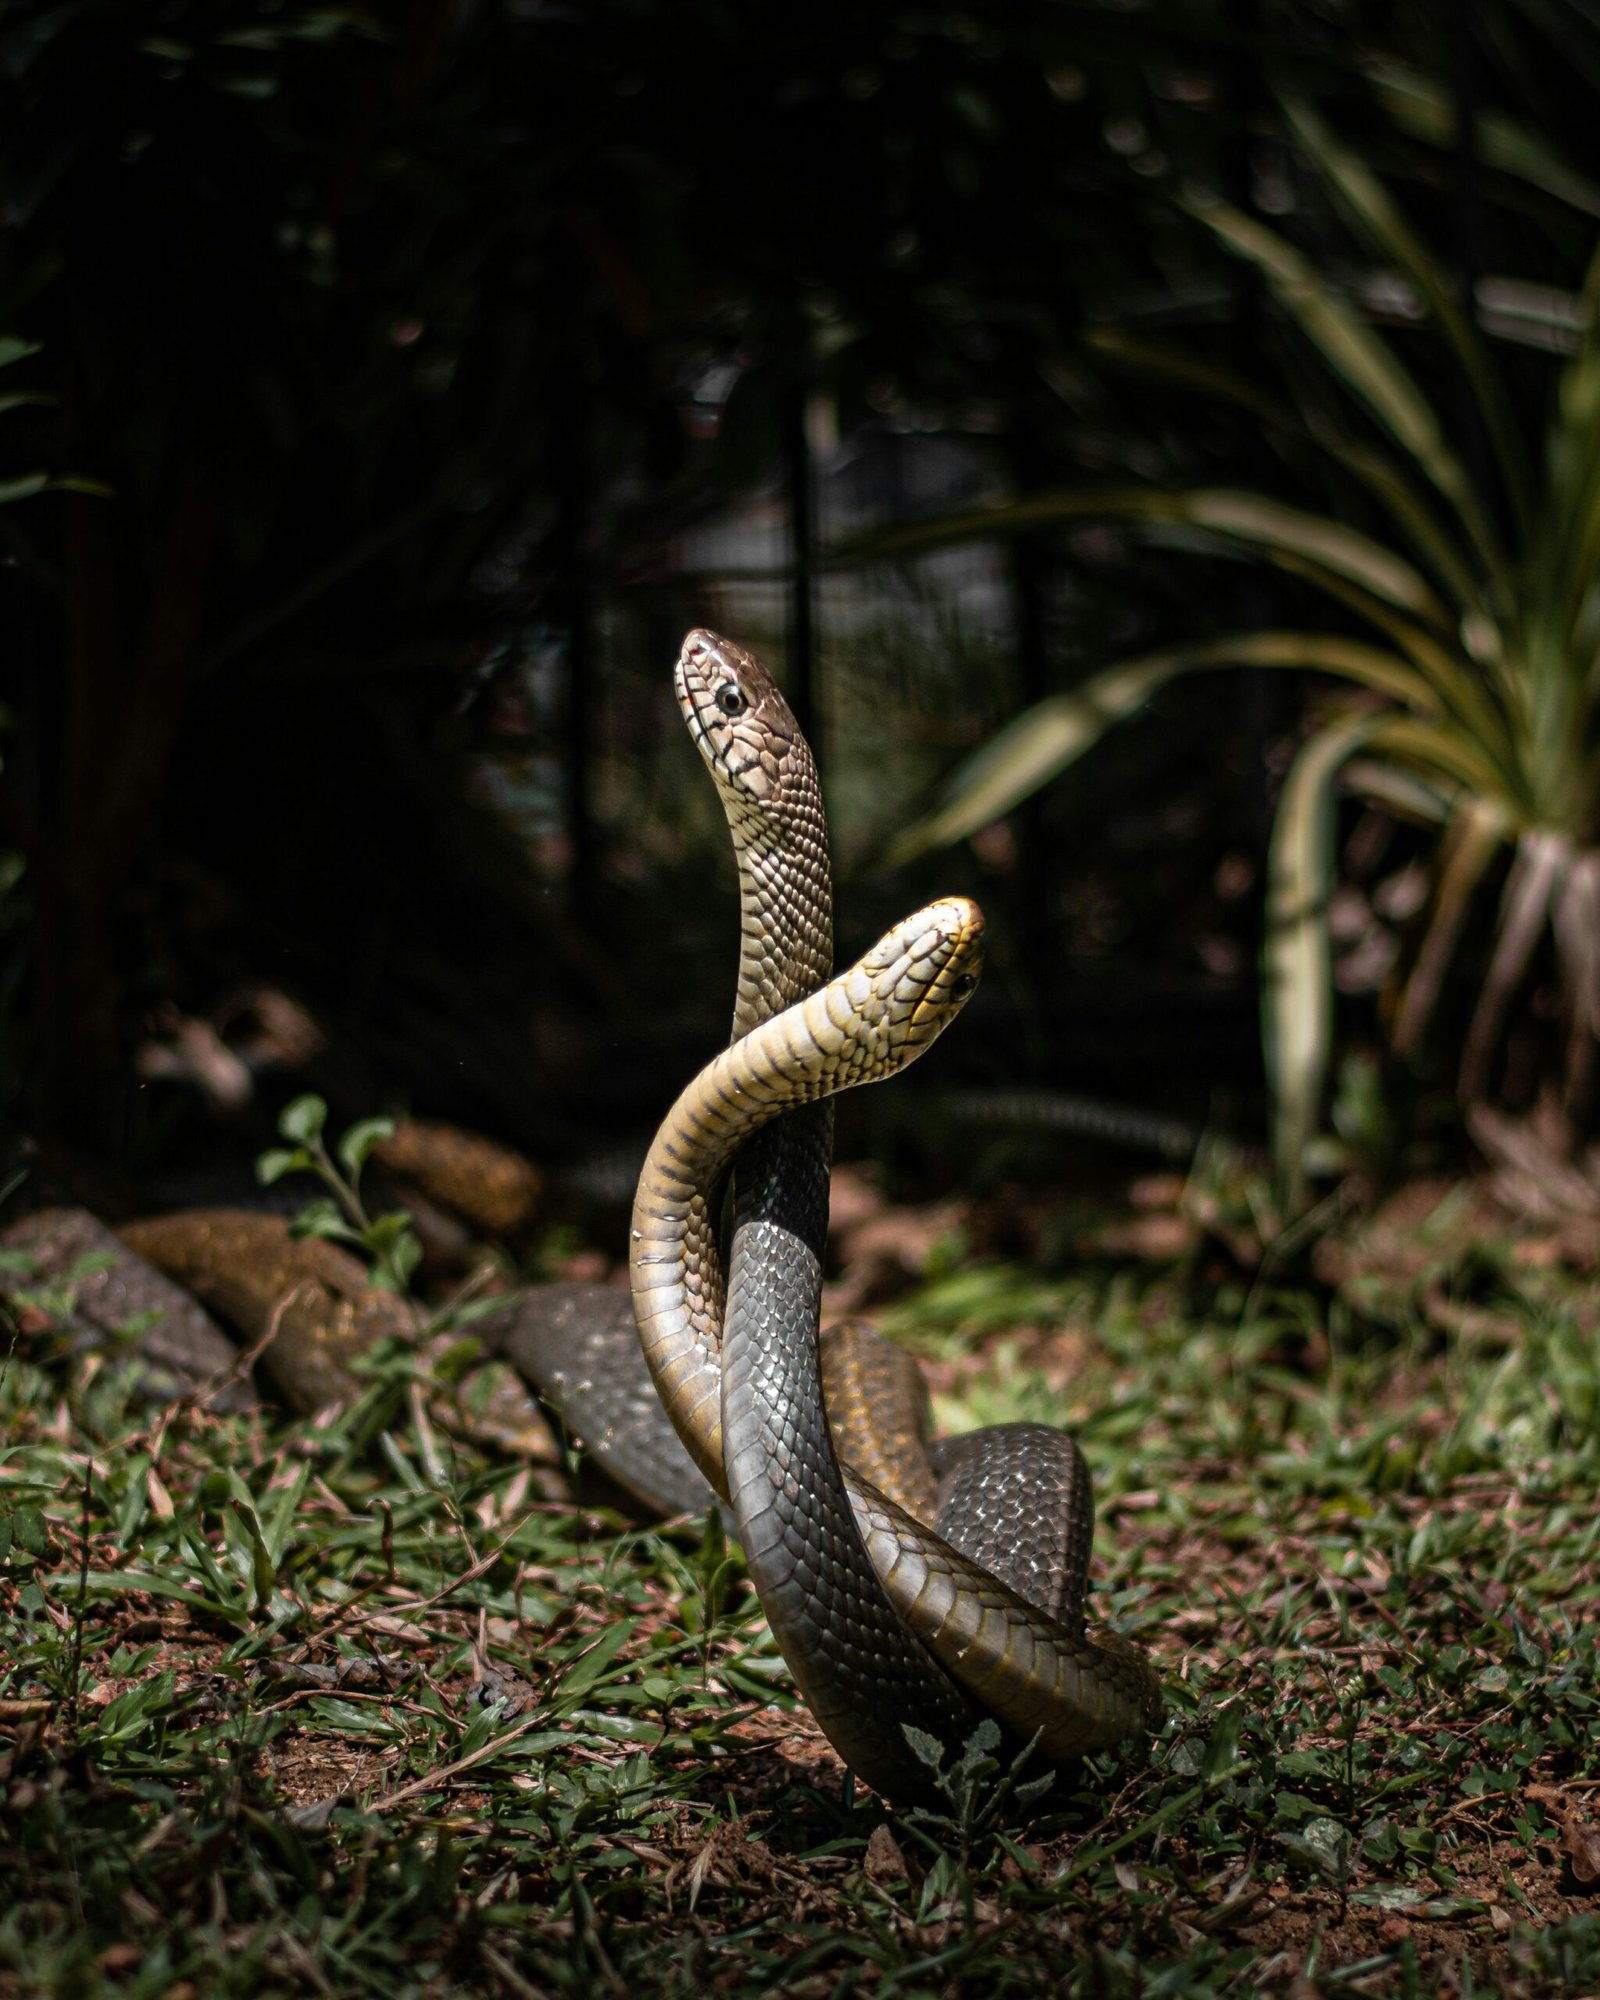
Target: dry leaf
[[1580, 1842]]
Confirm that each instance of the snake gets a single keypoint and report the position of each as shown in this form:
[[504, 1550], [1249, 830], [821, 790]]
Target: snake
[[884, 1615], [306, 1309], [906, 1580]]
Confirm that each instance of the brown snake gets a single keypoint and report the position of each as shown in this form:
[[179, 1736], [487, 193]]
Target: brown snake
[[883, 1617]]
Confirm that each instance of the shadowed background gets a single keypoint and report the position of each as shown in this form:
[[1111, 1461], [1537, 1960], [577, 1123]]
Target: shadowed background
[[385, 391]]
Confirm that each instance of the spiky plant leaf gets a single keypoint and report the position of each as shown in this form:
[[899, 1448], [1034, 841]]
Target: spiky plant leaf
[[1364, 360], [1297, 982], [1422, 106], [1381, 221], [1473, 838]]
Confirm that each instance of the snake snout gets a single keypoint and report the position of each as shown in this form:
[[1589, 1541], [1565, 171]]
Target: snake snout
[[742, 726], [943, 947]]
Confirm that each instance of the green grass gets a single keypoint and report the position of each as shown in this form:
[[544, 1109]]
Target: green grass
[[239, 1751]]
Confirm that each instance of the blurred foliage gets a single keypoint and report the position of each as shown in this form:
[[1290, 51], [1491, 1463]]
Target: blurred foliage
[[388, 334], [399, 346], [1468, 551]]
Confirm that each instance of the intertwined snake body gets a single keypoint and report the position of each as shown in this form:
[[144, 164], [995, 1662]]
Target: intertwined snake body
[[883, 1618], [905, 1581]]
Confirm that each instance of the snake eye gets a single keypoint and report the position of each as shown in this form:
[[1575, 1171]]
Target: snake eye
[[731, 699], [963, 984]]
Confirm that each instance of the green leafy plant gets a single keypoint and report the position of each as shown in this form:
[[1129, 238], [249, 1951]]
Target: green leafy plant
[[1479, 666], [388, 1240], [978, 1789]]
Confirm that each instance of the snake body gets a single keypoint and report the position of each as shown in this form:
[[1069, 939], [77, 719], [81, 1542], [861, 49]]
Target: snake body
[[881, 1617]]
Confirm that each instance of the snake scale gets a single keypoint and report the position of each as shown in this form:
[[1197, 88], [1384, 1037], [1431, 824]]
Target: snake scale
[[883, 1615]]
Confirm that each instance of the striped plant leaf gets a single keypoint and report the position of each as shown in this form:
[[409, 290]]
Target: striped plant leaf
[[1450, 685], [1297, 970], [1315, 541], [1366, 198], [1421, 106], [1054, 733], [1566, 553], [1538, 870], [1031, 750], [1487, 664], [1577, 925], [1379, 472], [1356, 353], [1474, 837], [1235, 518], [1406, 795], [1449, 754]]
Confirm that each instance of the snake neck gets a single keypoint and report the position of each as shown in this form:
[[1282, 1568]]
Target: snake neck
[[785, 908]]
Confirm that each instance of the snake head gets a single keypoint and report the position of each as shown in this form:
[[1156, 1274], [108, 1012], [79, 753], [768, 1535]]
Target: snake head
[[907, 990], [742, 726]]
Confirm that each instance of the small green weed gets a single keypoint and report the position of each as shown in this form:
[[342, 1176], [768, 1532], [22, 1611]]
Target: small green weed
[[389, 1241]]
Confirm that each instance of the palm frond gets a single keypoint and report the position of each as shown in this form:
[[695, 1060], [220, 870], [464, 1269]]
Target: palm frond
[[1042, 741], [1364, 361]]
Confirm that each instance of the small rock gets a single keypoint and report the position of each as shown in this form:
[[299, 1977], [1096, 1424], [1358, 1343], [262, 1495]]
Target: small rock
[[885, 1862]]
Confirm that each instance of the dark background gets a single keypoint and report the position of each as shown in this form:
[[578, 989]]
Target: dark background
[[409, 378]]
